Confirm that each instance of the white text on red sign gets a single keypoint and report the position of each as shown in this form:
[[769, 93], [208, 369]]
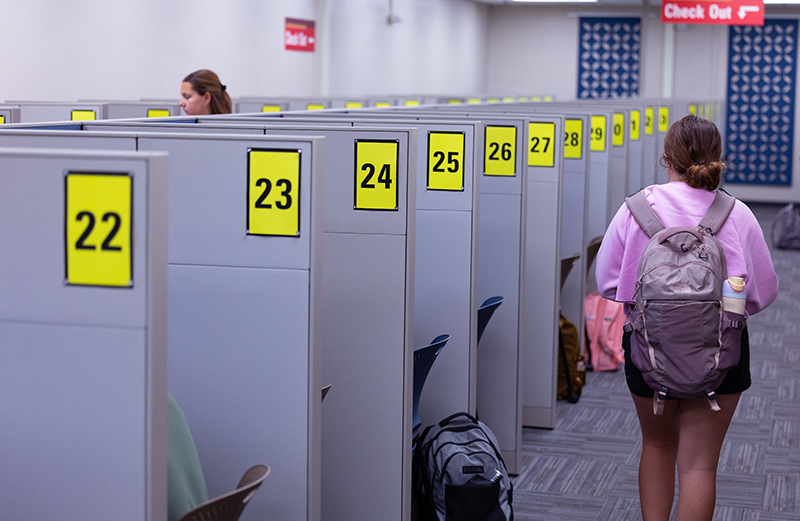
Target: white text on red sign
[[732, 12]]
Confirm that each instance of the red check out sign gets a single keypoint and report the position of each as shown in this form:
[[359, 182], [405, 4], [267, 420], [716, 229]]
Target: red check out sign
[[722, 12]]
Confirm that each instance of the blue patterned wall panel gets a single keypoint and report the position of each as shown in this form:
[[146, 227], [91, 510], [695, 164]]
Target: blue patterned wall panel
[[761, 86], [608, 61]]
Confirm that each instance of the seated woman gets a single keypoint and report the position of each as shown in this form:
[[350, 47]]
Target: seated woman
[[186, 486], [203, 94]]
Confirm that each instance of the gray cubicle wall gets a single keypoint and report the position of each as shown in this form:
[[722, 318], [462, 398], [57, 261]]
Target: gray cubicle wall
[[542, 291], [368, 322], [499, 249], [541, 266], [649, 145], [83, 356], [9, 114], [142, 109], [445, 297], [541, 295], [34, 111], [248, 105], [244, 318]]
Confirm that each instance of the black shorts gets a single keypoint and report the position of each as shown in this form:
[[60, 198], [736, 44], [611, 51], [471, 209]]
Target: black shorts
[[736, 381]]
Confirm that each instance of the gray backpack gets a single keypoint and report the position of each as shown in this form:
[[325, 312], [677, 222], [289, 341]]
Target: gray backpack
[[460, 474], [786, 228], [682, 340]]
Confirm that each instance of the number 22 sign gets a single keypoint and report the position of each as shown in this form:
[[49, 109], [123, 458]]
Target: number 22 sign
[[98, 217]]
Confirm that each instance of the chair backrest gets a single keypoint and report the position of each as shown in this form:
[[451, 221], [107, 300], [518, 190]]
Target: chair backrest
[[485, 312], [566, 266], [228, 507], [423, 360], [591, 251]]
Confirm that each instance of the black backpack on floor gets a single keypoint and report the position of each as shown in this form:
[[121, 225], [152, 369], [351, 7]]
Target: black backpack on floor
[[459, 474]]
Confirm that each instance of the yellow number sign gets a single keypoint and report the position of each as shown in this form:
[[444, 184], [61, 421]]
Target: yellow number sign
[[473, 101], [83, 115], [353, 105], [573, 138], [383, 104], [445, 161], [273, 192], [663, 119], [2, 120], [618, 130], [541, 144], [270, 108], [412, 103], [314, 107], [649, 126], [376, 175], [598, 141], [157, 113], [636, 116], [97, 224], [500, 157], [693, 110]]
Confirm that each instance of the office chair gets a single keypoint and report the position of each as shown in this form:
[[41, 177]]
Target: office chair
[[591, 251], [566, 266], [228, 507], [485, 312], [423, 360]]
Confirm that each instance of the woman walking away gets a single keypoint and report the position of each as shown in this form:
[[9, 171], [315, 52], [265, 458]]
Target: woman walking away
[[678, 429]]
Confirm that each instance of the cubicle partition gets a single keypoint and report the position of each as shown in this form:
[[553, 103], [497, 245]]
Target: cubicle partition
[[447, 248], [35, 111], [249, 105], [9, 114], [542, 252], [244, 326], [142, 109], [83, 335], [366, 308], [445, 294]]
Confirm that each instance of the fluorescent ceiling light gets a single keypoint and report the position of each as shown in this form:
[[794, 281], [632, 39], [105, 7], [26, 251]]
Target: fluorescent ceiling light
[[561, 1]]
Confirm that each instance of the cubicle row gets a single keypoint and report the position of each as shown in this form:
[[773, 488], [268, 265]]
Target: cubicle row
[[403, 222]]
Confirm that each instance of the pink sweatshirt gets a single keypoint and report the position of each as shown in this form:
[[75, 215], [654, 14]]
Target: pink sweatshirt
[[678, 204]]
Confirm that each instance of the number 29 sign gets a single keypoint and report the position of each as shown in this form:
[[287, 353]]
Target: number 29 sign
[[98, 220]]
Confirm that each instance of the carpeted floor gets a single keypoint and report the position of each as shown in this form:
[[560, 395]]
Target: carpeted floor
[[586, 468]]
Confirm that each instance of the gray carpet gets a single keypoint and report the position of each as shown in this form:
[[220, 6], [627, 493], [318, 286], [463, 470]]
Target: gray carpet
[[586, 467]]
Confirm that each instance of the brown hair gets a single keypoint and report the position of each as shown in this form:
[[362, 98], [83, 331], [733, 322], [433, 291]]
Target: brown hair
[[204, 81], [693, 147]]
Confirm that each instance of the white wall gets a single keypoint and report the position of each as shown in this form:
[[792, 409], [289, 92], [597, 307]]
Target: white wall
[[131, 49], [534, 49], [439, 47]]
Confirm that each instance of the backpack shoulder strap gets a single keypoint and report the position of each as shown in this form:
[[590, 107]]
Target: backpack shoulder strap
[[644, 215], [718, 211]]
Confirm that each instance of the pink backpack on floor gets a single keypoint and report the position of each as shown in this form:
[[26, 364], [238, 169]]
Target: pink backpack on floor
[[604, 320]]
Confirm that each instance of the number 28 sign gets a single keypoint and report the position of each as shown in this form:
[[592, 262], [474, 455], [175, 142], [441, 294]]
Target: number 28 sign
[[98, 219]]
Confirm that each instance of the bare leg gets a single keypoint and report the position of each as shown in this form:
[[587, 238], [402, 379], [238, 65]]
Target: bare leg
[[702, 432], [660, 437]]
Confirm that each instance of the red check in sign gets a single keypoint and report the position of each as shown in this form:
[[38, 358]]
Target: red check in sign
[[299, 35], [722, 12]]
